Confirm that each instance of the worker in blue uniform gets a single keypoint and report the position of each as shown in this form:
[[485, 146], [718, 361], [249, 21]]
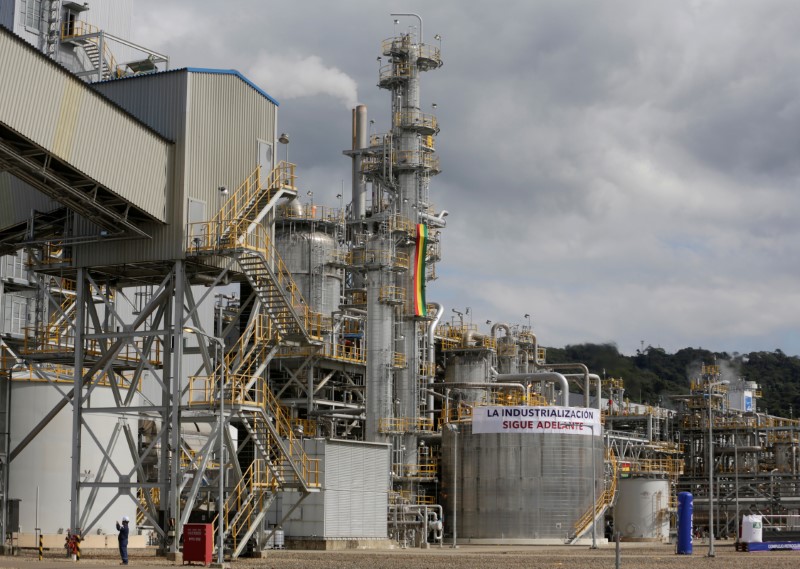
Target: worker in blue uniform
[[123, 539]]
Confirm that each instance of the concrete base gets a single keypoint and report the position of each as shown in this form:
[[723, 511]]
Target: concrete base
[[221, 565], [176, 557], [321, 544]]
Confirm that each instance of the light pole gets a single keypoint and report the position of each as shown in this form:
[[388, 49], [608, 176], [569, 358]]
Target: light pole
[[711, 552], [284, 139], [736, 484], [415, 16], [454, 429], [219, 351]]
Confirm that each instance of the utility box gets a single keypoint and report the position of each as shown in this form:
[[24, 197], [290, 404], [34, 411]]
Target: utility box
[[198, 543]]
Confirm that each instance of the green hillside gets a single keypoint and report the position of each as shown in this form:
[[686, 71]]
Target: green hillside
[[652, 374]]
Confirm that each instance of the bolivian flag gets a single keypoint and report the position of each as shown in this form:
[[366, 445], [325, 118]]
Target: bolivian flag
[[420, 252]]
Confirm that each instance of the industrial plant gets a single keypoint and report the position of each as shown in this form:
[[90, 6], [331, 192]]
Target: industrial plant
[[190, 336]]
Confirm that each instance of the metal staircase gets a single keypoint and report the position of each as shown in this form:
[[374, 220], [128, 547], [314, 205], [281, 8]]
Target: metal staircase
[[281, 317], [236, 232], [604, 501], [254, 199], [91, 41], [280, 464]]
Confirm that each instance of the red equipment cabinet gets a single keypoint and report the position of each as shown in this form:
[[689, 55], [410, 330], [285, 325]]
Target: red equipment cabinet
[[198, 543]]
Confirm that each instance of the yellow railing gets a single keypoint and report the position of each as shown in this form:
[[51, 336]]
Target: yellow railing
[[203, 390], [398, 69], [399, 360], [61, 374], [391, 294], [416, 119], [413, 158], [60, 339], [248, 192], [422, 470], [606, 498], [75, 29], [214, 236], [398, 260], [155, 498], [405, 425], [400, 223]]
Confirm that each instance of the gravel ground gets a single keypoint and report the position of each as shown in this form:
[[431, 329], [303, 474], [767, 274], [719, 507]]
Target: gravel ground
[[633, 556]]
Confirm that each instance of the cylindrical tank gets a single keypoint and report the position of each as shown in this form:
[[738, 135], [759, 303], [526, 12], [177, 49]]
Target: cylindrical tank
[[685, 520], [516, 488], [642, 510], [46, 463], [752, 529], [308, 255], [469, 367]]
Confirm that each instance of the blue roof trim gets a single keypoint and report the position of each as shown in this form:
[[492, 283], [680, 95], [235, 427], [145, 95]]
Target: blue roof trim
[[237, 74]]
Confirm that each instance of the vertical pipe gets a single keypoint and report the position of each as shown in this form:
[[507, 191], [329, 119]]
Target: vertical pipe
[[220, 353], [432, 355], [359, 207], [736, 484], [174, 411], [455, 486], [711, 552], [77, 400]]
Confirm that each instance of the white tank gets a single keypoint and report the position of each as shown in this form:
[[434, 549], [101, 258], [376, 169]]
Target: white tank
[[46, 462], [642, 510], [752, 529], [308, 255]]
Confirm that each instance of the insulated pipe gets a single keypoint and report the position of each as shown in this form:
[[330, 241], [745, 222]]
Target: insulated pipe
[[358, 209], [535, 350], [540, 376], [500, 325], [585, 377], [434, 220], [469, 336], [598, 391], [432, 354], [465, 385]]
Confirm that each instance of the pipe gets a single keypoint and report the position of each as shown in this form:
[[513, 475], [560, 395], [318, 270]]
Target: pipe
[[540, 376], [358, 209], [433, 220], [470, 336], [359, 311], [598, 382], [585, 377], [500, 325], [432, 354]]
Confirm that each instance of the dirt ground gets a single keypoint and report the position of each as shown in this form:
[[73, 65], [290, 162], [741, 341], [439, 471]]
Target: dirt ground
[[633, 556]]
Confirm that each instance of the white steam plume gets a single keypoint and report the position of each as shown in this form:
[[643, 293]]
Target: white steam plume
[[290, 77]]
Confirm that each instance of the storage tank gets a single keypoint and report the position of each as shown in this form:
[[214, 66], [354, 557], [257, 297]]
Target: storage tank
[[469, 367], [520, 488], [309, 256], [46, 462], [642, 510]]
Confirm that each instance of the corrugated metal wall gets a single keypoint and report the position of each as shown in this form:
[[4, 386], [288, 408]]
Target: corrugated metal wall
[[354, 500], [356, 490], [520, 486], [57, 111], [215, 120], [17, 199]]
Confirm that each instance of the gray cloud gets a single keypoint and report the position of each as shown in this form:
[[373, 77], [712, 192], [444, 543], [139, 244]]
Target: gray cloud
[[622, 171]]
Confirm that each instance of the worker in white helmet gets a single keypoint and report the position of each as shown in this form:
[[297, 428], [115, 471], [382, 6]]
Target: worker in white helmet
[[123, 539]]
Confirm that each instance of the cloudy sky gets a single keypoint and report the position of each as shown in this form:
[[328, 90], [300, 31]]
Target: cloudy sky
[[622, 171]]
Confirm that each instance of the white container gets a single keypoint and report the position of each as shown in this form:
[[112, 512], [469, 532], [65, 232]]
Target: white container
[[752, 528], [642, 510]]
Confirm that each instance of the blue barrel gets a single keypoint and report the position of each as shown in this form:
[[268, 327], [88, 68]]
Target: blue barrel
[[685, 515]]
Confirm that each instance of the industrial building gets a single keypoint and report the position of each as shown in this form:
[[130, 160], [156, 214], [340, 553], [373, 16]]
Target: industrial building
[[189, 336]]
